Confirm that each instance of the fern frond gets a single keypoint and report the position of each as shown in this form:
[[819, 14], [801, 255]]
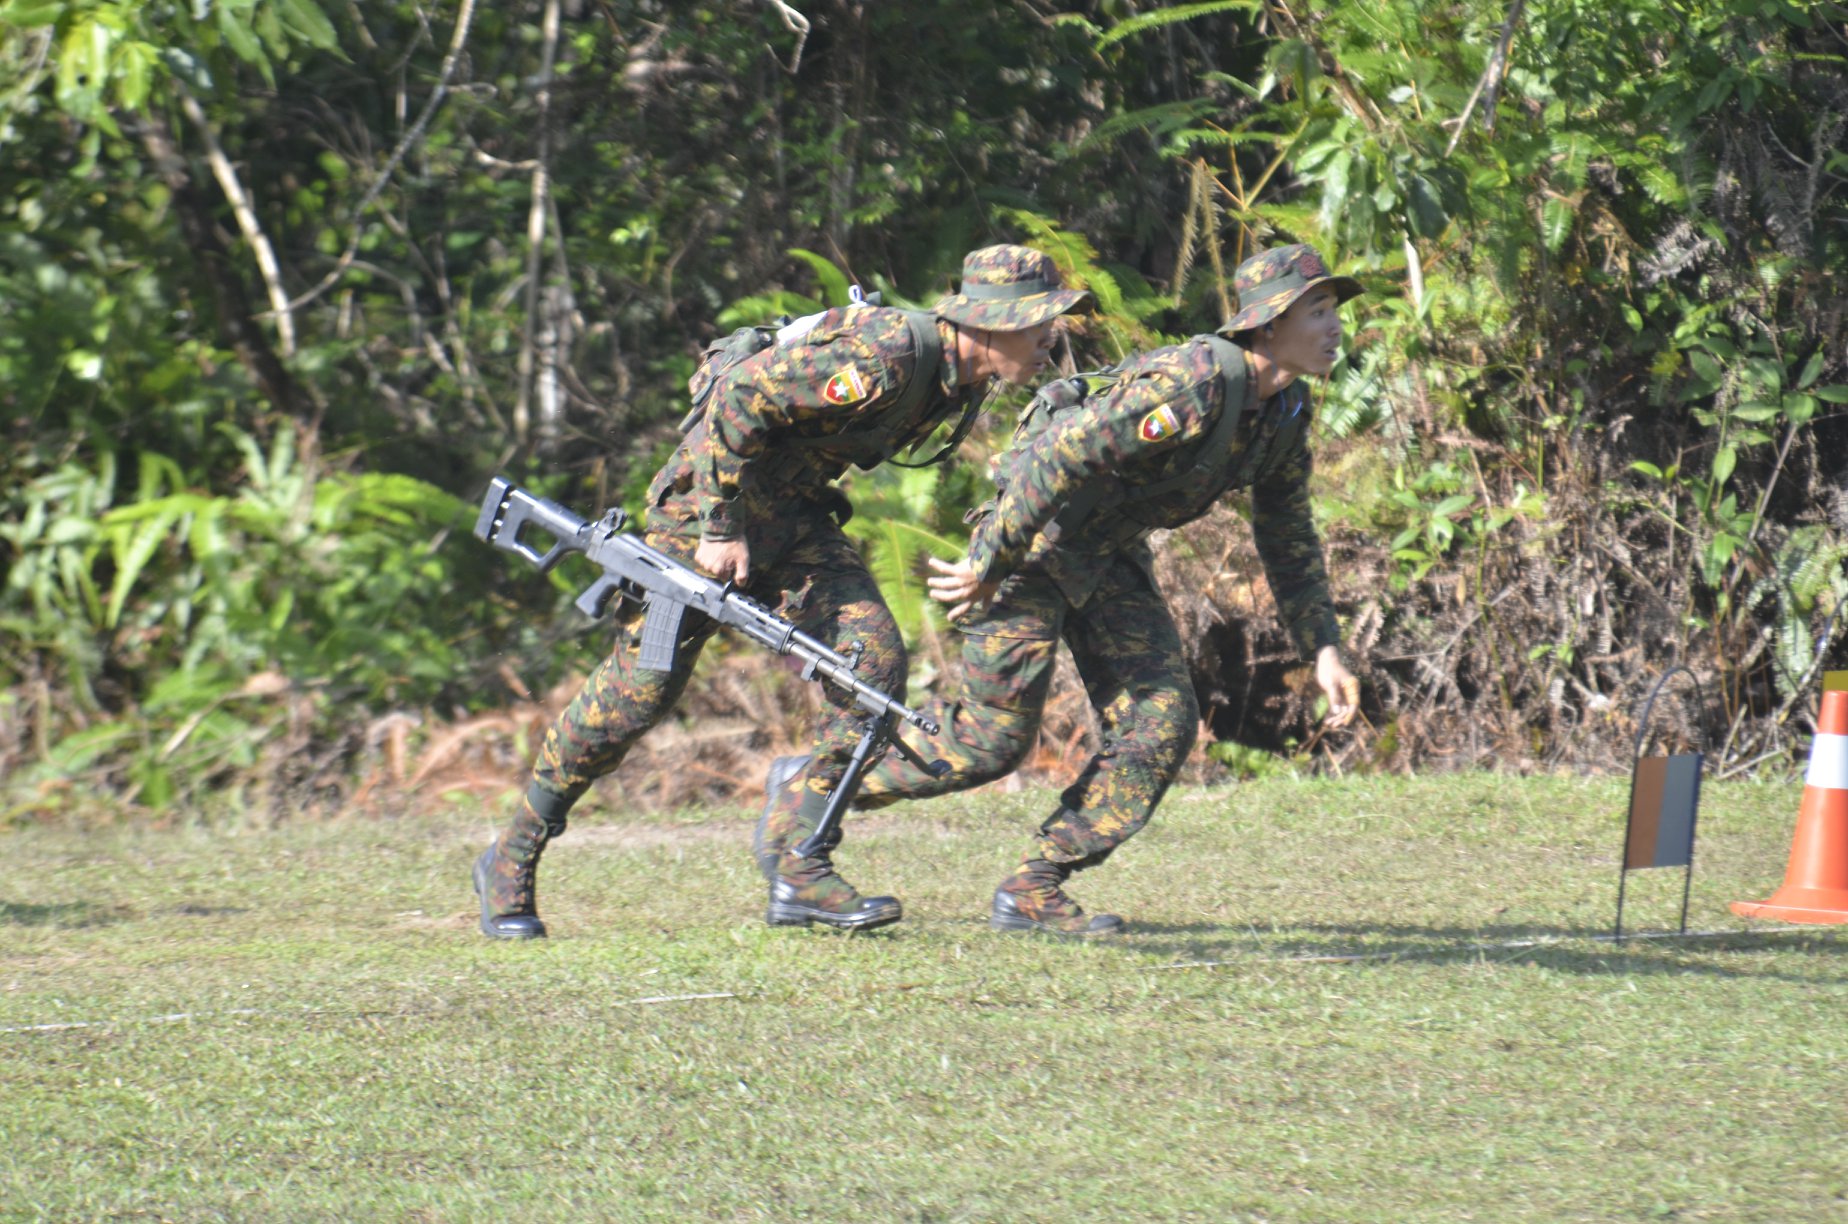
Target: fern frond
[[1142, 23], [1162, 117]]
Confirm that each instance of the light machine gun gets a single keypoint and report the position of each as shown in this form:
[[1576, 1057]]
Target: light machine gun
[[668, 589]]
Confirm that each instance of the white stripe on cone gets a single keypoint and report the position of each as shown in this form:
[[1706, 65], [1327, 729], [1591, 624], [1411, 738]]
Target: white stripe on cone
[[1828, 766]]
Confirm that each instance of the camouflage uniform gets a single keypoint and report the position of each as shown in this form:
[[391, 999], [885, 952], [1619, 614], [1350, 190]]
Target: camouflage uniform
[[780, 427], [1151, 424]]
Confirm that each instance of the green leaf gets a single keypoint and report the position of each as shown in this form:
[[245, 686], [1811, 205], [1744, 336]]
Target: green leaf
[[1835, 394], [306, 18], [833, 280], [239, 36], [134, 62], [1556, 217], [82, 60], [1452, 504], [1811, 369], [26, 15], [1723, 463]]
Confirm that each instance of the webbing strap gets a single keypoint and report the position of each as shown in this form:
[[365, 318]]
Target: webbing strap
[[1238, 396], [924, 375], [930, 364]]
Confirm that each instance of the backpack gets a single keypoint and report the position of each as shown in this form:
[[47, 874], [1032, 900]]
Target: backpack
[[1065, 394], [719, 357]]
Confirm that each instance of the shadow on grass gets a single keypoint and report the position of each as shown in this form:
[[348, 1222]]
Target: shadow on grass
[[60, 914], [1576, 950]]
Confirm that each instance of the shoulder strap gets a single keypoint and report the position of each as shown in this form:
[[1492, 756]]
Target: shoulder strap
[[929, 343], [1231, 360]]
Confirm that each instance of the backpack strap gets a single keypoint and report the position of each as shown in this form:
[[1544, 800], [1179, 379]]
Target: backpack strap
[[1232, 374], [1238, 396], [929, 343]]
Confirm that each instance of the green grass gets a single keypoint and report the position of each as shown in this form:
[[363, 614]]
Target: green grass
[[349, 1048]]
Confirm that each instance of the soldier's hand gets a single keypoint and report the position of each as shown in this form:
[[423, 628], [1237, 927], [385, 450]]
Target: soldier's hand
[[1338, 685], [955, 583], [726, 560]]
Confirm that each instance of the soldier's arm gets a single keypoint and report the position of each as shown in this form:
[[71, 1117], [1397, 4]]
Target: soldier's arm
[[816, 389], [1284, 529], [1132, 425]]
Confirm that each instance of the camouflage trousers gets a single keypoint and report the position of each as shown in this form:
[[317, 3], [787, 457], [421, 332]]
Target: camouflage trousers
[[1129, 655], [819, 582]]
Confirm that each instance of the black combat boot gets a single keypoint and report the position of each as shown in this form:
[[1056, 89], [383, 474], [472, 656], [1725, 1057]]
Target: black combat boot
[[1032, 899], [783, 771], [506, 879], [809, 890]]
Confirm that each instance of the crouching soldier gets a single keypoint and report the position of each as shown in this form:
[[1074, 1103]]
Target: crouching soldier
[[749, 497], [1061, 553]]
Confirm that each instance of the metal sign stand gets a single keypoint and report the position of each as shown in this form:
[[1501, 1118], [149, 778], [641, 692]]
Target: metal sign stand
[[1668, 777]]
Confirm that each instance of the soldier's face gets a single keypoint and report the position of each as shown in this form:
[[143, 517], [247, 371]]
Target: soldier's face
[[1306, 338], [1018, 356]]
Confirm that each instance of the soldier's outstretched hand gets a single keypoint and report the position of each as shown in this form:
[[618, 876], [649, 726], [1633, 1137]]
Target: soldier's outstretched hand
[[726, 560], [955, 583], [1338, 685]]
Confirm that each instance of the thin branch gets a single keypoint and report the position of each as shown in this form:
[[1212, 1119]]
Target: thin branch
[[798, 25], [247, 222], [1490, 80], [536, 217], [457, 41]]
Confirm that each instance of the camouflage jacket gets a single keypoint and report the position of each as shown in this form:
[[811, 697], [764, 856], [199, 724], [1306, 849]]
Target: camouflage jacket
[[1150, 427], [783, 424]]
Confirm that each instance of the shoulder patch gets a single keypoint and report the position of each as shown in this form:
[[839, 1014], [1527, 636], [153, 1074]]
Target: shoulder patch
[[1158, 424], [848, 386]]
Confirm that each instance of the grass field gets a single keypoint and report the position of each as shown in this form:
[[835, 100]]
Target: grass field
[[303, 1024]]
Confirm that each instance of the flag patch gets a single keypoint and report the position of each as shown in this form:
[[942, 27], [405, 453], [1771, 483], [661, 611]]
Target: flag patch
[[1159, 424], [848, 386]]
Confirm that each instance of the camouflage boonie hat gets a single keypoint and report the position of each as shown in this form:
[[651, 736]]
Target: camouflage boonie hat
[[1008, 288], [1269, 283]]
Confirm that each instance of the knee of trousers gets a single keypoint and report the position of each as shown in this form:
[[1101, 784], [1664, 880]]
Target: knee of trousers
[[1161, 740], [990, 742]]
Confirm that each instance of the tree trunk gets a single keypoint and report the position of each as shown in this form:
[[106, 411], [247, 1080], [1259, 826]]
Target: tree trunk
[[237, 324]]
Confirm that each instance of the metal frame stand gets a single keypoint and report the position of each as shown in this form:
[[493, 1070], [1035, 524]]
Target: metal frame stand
[[1642, 732]]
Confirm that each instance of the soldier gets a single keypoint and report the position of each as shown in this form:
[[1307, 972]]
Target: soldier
[[748, 497], [1061, 553]]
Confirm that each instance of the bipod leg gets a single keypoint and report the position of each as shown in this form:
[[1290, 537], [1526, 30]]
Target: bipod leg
[[935, 769], [877, 730]]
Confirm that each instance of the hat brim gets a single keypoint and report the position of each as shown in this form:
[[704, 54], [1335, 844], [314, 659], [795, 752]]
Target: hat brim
[[1262, 311], [1016, 314]]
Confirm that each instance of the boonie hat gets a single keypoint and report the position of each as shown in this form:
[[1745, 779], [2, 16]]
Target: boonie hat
[[1269, 283], [1008, 288]]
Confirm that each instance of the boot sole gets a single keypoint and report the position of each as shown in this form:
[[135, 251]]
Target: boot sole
[[796, 915], [1000, 922], [487, 919]]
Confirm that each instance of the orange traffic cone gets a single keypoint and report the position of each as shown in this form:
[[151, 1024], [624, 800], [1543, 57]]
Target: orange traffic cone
[[1816, 883]]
